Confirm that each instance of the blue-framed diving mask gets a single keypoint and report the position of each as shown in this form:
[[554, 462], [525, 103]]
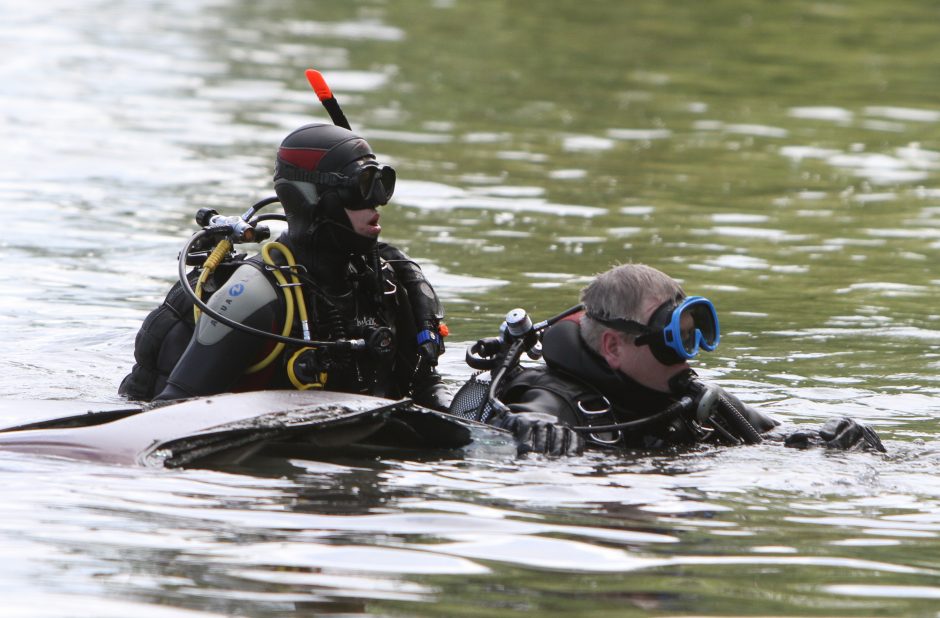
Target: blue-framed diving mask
[[676, 331]]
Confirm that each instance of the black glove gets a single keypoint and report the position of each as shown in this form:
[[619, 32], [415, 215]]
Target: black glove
[[838, 433], [430, 344], [434, 396], [429, 390], [540, 433]]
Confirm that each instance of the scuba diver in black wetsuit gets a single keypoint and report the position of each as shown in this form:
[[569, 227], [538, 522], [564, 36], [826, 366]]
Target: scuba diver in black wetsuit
[[372, 319], [616, 375]]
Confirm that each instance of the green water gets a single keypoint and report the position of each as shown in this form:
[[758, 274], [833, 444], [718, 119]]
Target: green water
[[722, 193], [782, 159]]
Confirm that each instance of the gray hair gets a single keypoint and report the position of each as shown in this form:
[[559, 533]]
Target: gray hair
[[621, 292]]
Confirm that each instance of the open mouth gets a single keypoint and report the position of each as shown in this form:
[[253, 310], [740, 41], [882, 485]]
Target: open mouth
[[374, 224]]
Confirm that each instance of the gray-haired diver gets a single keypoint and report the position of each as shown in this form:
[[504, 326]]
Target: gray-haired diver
[[616, 375]]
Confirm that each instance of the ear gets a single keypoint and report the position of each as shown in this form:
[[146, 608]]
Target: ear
[[611, 344]]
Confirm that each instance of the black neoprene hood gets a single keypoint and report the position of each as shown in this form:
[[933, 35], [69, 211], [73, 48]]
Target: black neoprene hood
[[320, 148]]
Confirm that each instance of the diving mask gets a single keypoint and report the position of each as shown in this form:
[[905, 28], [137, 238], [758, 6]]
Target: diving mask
[[676, 331], [369, 186]]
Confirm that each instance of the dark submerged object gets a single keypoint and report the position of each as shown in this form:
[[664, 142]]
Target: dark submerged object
[[230, 428]]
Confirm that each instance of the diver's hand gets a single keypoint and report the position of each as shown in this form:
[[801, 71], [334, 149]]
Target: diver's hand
[[838, 433], [434, 396], [540, 433]]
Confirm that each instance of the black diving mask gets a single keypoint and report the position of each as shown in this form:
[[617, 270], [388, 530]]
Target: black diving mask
[[369, 186]]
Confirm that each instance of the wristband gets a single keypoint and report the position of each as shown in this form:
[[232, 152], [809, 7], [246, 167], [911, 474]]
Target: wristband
[[428, 335]]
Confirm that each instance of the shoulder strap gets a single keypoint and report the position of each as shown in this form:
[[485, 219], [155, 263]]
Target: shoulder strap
[[585, 402]]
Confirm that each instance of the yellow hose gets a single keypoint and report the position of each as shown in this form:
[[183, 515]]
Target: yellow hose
[[215, 258], [288, 301], [321, 378]]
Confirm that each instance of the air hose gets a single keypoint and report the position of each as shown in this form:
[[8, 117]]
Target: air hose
[[671, 412], [344, 344], [736, 422], [732, 425], [212, 262], [288, 301]]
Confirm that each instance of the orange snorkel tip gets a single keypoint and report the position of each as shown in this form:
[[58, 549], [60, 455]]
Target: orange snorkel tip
[[326, 98], [318, 84]]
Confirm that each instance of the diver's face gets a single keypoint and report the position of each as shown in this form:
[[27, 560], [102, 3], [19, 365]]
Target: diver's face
[[373, 185], [365, 222], [637, 361]]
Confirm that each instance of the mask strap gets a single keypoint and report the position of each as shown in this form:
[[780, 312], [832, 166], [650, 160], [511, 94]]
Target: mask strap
[[327, 179]]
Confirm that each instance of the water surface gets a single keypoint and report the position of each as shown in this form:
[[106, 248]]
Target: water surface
[[780, 159]]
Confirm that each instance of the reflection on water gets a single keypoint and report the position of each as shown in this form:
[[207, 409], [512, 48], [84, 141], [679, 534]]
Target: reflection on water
[[781, 159], [318, 533]]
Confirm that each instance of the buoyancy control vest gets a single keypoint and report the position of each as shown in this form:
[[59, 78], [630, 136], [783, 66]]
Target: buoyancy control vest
[[579, 388]]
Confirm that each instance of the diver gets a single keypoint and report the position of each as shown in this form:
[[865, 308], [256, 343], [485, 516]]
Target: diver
[[353, 287], [616, 376]]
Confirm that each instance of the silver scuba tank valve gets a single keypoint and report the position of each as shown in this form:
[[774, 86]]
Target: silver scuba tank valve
[[238, 229], [518, 323]]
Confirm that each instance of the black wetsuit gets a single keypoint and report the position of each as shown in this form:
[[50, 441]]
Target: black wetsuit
[[578, 387], [344, 299]]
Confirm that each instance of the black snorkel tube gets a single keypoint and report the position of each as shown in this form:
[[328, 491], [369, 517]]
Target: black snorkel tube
[[326, 98]]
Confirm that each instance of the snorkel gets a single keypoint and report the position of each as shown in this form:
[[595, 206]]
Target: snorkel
[[326, 97]]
